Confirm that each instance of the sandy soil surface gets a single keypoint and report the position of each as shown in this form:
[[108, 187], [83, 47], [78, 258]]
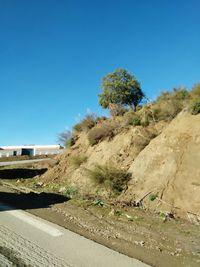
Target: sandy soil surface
[[148, 237]]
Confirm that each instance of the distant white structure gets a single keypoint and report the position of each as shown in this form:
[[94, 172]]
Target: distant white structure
[[32, 150]]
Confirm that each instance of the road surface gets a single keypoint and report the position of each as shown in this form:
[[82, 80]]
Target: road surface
[[30, 241], [6, 163]]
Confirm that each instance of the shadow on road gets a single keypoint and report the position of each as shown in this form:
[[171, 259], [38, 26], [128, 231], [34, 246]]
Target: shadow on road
[[30, 200], [20, 173]]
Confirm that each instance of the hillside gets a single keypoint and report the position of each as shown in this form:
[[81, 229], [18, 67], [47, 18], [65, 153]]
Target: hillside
[[128, 181], [163, 160], [72, 167], [169, 168]]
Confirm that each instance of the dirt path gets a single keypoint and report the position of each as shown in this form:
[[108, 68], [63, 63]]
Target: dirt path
[[131, 231]]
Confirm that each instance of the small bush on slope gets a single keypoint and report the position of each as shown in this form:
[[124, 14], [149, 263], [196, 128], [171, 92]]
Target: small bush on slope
[[86, 124], [101, 132], [109, 176], [195, 107], [77, 160], [70, 142], [169, 104], [195, 92]]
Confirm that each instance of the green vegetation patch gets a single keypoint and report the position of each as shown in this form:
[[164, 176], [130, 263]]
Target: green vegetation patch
[[86, 124], [195, 107], [109, 176], [152, 197], [101, 132]]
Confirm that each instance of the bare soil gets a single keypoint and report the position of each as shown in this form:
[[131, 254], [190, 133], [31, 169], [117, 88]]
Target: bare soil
[[132, 231]]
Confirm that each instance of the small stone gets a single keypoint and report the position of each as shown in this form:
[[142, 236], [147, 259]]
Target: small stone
[[117, 235], [62, 189], [39, 184], [158, 248], [141, 243], [112, 212]]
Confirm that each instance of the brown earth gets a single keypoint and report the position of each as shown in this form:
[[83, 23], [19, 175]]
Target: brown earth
[[133, 232], [120, 151], [163, 158], [169, 167]]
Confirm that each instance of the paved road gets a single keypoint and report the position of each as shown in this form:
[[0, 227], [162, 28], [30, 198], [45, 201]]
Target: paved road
[[35, 242], [6, 163]]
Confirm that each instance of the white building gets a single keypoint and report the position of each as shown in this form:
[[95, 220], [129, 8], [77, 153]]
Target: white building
[[32, 150]]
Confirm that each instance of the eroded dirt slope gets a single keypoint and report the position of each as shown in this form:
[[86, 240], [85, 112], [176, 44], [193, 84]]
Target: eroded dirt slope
[[120, 151], [170, 168]]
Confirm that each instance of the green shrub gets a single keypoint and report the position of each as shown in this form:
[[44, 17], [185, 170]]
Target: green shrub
[[101, 119], [136, 121], [86, 124], [98, 202], [70, 192], [169, 104], [77, 127], [131, 118], [77, 160], [70, 142], [195, 107], [167, 110], [180, 94], [100, 132], [195, 92], [109, 176], [152, 197], [145, 122]]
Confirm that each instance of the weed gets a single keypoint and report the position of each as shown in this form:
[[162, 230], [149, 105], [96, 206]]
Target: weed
[[195, 107], [77, 160], [145, 122], [196, 183], [132, 120], [109, 176], [152, 197], [99, 133], [195, 92], [98, 202], [136, 121], [70, 192], [69, 143], [86, 124], [118, 213]]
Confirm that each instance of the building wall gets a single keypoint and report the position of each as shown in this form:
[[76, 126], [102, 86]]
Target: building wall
[[10, 153], [47, 151], [36, 151]]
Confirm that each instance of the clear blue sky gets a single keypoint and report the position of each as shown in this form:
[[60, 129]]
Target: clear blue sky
[[53, 54]]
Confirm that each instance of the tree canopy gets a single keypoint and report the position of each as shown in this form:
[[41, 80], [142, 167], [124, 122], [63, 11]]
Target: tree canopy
[[120, 88]]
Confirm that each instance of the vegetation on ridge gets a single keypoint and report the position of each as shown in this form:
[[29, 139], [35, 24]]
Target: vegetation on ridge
[[122, 94]]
